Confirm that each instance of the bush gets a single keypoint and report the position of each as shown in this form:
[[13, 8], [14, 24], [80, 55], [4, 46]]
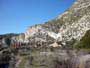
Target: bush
[[84, 42]]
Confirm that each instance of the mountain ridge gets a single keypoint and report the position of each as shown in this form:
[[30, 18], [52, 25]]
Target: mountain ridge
[[72, 24]]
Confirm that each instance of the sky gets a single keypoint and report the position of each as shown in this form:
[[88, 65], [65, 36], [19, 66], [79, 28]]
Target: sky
[[17, 15]]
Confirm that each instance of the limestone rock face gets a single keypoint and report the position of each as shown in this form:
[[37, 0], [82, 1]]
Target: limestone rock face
[[72, 24]]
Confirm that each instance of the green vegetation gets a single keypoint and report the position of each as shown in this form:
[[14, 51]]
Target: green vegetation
[[8, 35], [8, 41], [84, 42]]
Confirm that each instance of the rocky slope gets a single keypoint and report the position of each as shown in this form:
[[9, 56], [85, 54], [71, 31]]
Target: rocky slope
[[6, 39], [68, 27], [72, 24]]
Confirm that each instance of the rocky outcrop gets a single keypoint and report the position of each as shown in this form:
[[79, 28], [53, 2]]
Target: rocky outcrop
[[72, 24]]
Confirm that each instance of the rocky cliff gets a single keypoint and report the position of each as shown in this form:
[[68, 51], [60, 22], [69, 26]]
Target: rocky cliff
[[72, 24], [66, 29]]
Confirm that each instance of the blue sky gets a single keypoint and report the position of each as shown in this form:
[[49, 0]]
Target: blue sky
[[17, 15]]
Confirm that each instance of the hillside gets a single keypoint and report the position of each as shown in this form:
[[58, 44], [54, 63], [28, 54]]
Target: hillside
[[69, 26], [63, 42], [66, 29]]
